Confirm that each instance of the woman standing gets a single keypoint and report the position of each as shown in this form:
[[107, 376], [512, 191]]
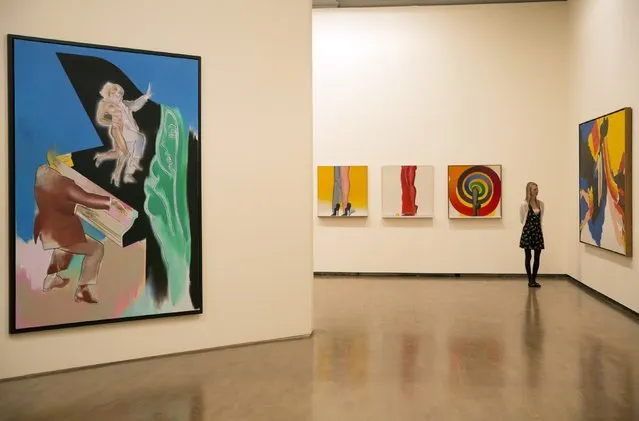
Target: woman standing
[[531, 214]]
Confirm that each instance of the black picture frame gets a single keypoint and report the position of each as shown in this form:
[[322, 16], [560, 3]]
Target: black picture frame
[[193, 177]]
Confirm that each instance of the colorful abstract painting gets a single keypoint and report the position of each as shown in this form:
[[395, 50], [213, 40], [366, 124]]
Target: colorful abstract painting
[[104, 170], [474, 191], [605, 182], [342, 191], [407, 191]]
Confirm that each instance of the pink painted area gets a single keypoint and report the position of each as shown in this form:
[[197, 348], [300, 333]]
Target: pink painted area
[[120, 281], [124, 301], [21, 321], [34, 260]]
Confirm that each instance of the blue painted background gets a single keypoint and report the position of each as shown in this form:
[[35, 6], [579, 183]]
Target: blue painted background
[[48, 114]]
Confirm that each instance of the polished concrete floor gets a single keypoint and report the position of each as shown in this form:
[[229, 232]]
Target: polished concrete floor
[[384, 349]]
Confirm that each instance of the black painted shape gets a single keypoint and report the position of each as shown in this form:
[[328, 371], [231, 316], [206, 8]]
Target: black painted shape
[[194, 201], [88, 74]]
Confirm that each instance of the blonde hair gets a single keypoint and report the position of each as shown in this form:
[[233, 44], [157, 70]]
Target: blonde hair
[[529, 186], [109, 89], [52, 159]]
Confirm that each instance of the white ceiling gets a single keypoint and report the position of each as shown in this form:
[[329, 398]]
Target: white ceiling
[[391, 3]]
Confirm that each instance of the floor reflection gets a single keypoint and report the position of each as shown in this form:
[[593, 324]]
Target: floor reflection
[[164, 404], [533, 339], [265, 382], [476, 364], [408, 361], [607, 382], [342, 358], [406, 350]]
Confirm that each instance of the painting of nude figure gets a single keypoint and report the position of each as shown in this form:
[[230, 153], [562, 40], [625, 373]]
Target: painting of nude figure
[[605, 182], [105, 184]]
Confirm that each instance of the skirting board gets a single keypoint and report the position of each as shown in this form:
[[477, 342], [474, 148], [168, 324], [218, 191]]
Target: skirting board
[[432, 275], [155, 357]]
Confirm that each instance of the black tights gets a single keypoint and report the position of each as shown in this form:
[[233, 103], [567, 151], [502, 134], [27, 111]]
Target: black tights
[[535, 268]]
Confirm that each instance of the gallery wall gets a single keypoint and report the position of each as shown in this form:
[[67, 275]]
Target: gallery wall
[[256, 102], [439, 86], [605, 48]]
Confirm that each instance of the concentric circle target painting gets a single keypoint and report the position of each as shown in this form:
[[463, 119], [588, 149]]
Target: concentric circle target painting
[[474, 191]]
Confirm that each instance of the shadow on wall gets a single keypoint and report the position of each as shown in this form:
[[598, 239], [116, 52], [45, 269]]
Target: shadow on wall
[[343, 221], [472, 224], [407, 223], [609, 256]]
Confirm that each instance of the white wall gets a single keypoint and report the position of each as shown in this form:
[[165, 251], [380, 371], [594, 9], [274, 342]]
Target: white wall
[[439, 86], [605, 77], [256, 101]]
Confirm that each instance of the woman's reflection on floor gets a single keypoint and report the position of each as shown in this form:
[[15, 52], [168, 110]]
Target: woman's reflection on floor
[[533, 334], [408, 358]]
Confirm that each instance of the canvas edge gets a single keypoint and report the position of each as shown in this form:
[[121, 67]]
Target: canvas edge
[[98, 322], [628, 181], [13, 328], [199, 181]]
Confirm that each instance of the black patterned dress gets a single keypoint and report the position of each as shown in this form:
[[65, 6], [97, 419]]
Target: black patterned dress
[[532, 238]]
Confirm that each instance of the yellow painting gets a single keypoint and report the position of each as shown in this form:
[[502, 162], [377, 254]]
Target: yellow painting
[[342, 191]]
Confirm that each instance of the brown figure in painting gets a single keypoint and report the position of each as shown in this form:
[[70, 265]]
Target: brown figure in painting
[[60, 229]]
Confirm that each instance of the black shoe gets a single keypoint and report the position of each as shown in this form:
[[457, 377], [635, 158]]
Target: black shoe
[[335, 210], [534, 285], [347, 210]]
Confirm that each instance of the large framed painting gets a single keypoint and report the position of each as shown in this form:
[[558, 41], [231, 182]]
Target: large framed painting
[[342, 191], [605, 182], [474, 191], [407, 191], [104, 173]]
